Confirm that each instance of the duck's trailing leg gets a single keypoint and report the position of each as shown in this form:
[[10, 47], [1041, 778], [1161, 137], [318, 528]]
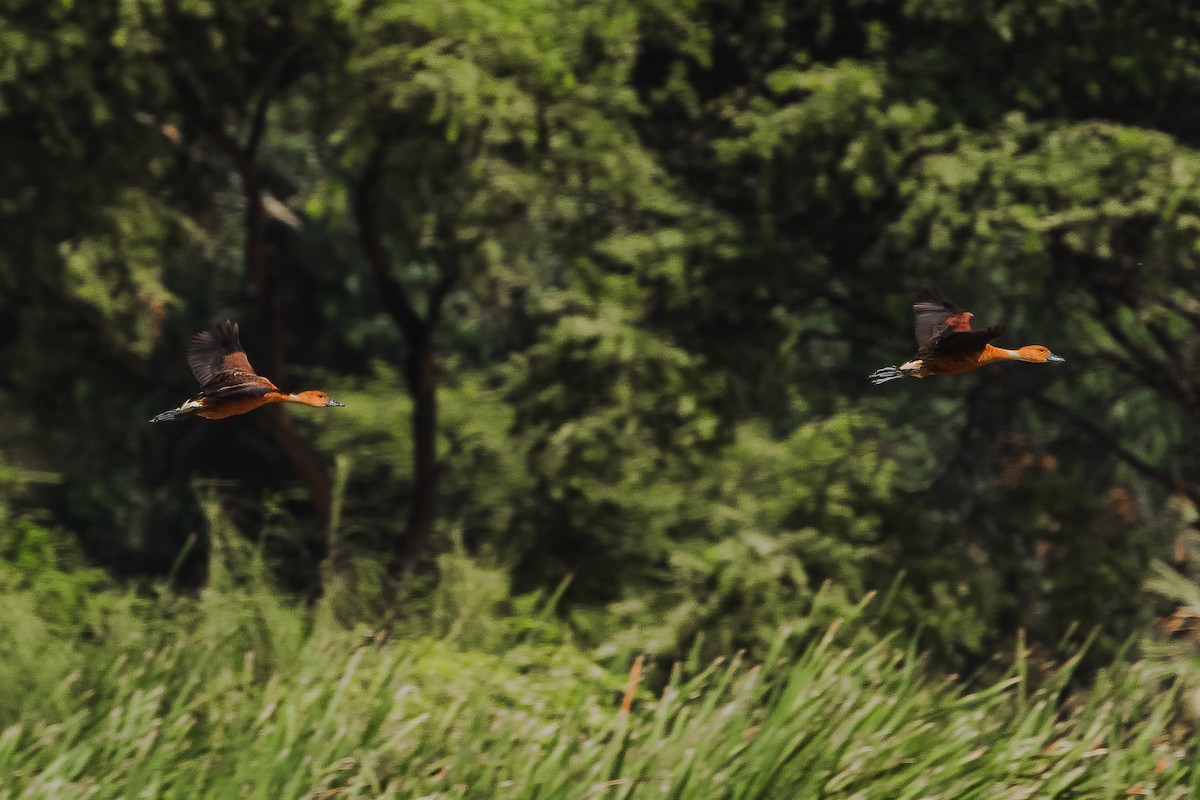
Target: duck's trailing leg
[[190, 407], [885, 374], [909, 369]]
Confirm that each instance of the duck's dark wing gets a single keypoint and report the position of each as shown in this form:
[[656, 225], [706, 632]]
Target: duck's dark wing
[[220, 364], [936, 317], [962, 341]]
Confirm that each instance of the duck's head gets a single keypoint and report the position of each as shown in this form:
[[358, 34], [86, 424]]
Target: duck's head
[[315, 399], [1036, 354]]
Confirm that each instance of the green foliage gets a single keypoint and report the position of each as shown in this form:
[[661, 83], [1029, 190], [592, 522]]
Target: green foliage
[[747, 544], [47, 597], [40, 565]]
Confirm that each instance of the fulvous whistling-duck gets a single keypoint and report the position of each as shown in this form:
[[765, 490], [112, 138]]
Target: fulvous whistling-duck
[[228, 384], [946, 345]]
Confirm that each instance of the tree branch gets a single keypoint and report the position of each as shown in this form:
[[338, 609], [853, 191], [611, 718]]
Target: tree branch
[[447, 279], [258, 123], [393, 294], [1141, 466]]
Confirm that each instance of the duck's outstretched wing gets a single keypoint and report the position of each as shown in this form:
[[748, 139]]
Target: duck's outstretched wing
[[220, 364], [936, 316], [945, 327]]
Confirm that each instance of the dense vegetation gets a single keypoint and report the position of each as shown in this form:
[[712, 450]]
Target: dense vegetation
[[599, 284], [238, 695]]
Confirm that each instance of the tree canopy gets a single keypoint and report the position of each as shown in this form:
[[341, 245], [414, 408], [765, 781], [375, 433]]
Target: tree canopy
[[600, 284]]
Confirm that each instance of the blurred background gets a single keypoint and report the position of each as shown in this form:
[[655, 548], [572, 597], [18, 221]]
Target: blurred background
[[599, 283]]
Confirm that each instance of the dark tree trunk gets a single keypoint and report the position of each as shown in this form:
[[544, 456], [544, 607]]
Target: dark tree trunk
[[304, 459], [420, 367]]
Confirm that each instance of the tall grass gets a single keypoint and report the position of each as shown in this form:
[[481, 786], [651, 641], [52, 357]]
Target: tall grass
[[240, 695]]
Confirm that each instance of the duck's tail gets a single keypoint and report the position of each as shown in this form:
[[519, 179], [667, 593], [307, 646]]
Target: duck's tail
[[185, 410]]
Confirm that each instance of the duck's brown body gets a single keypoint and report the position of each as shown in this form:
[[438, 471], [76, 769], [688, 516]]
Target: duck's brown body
[[957, 363], [222, 407], [946, 345], [228, 384]]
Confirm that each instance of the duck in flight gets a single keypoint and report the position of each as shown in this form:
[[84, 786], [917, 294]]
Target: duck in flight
[[228, 384], [946, 345]]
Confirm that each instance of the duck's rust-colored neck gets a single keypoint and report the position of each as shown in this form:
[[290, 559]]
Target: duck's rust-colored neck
[[990, 355], [1030, 353]]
